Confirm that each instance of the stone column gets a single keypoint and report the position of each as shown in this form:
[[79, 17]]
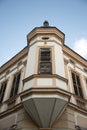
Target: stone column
[[8, 87], [83, 85], [21, 80], [20, 89], [7, 92], [70, 85]]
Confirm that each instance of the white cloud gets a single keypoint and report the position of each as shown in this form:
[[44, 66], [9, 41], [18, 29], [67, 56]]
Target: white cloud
[[80, 47]]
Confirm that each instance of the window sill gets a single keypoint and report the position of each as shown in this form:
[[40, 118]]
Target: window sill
[[81, 102], [80, 98], [11, 100]]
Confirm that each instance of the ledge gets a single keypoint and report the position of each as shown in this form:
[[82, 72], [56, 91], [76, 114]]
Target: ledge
[[8, 111], [76, 108], [45, 76], [45, 91]]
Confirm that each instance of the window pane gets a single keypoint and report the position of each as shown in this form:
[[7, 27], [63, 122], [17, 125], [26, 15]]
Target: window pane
[[15, 86], [2, 91], [12, 89], [80, 92], [73, 77], [76, 90], [76, 84], [45, 54], [45, 65], [78, 80]]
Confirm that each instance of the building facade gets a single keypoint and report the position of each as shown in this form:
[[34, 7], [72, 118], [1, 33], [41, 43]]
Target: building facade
[[44, 86]]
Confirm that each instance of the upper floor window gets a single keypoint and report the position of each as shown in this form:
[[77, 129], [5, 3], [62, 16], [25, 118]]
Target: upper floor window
[[15, 85], [45, 61], [2, 91], [77, 84]]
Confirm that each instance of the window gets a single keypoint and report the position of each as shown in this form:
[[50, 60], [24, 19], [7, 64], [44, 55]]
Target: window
[[2, 91], [15, 85], [45, 61], [77, 84]]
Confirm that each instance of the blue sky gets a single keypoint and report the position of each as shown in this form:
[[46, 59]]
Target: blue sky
[[19, 17]]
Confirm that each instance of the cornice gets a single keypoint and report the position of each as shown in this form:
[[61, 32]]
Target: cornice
[[45, 31], [76, 108], [45, 91], [68, 51], [45, 76], [14, 59], [11, 110]]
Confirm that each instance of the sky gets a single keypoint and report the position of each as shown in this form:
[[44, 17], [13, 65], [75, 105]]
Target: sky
[[19, 17]]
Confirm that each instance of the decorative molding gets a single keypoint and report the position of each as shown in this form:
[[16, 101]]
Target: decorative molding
[[76, 108], [14, 60], [13, 109], [85, 69], [46, 31], [45, 76], [8, 71], [68, 51], [66, 61], [46, 90], [3, 77], [19, 63], [72, 61]]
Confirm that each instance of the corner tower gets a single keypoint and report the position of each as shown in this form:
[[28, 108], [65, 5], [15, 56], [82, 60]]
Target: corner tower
[[45, 94]]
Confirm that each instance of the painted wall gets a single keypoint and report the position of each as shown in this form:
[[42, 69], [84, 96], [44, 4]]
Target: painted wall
[[58, 58], [57, 62], [31, 61]]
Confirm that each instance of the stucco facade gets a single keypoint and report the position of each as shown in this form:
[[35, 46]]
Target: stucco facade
[[44, 86]]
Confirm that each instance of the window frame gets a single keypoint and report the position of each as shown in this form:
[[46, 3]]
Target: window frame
[[3, 90], [15, 85], [45, 61], [77, 86]]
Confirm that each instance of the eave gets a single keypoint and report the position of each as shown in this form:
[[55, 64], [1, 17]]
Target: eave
[[45, 31], [68, 51], [14, 59]]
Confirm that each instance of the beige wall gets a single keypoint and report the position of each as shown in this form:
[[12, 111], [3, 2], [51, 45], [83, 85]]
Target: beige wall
[[21, 118], [79, 69], [67, 120]]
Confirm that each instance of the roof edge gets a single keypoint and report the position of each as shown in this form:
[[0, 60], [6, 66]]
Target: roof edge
[[14, 59]]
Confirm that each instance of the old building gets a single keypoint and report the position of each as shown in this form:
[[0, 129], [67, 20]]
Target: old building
[[44, 86]]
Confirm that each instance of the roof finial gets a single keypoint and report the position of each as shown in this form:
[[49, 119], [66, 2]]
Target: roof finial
[[45, 23]]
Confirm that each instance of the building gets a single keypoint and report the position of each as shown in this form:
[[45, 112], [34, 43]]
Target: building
[[44, 86]]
